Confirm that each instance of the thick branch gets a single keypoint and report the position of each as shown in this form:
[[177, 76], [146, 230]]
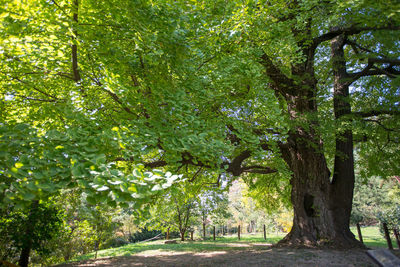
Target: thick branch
[[371, 70], [235, 167], [258, 169], [372, 113], [336, 31], [276, 74]]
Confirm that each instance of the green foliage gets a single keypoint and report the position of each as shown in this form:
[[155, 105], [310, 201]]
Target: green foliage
[[36, 166], [176, 210], [370, 197], [390, 216], [143, 234], [48, 225], [94, 93]]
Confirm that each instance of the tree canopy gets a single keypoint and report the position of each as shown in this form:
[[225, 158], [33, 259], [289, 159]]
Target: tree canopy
[[95, 94]]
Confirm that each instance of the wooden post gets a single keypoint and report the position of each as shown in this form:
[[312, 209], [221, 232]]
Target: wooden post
[[265, 233], [214, 233], [359, 233], [239, 232], [396, 234], [387, 236]]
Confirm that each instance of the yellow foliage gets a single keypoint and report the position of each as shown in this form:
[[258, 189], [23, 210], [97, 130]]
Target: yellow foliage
[[285, 220]]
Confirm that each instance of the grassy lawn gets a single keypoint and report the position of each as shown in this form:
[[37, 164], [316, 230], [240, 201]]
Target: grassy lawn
[[221, 243], [371, 235]]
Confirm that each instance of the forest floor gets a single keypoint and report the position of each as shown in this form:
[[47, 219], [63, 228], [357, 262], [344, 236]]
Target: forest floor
[[250, 255]]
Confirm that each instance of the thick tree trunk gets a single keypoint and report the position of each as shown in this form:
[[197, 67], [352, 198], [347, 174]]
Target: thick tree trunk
[[321, 207], [319, 219], [342, 184]]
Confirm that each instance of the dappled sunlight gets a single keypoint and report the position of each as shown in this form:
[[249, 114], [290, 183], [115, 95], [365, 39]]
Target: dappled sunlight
[[244, 257]]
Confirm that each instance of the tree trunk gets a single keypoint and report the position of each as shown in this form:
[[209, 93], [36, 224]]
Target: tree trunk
[[29, 231], [167, 236], [182, 235], [204, 231], [214, 233], [319, 218], [321, 207]]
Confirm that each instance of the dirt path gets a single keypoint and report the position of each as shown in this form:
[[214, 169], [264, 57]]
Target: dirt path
[[265, 256]]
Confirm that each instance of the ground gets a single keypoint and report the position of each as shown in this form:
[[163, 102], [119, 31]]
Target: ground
[[261, 254]]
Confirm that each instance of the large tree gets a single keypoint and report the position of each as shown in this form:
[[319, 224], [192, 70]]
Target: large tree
[[283, 77], [295, 40]]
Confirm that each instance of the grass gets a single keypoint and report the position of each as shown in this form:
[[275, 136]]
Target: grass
[[220, 244], [371, 236]]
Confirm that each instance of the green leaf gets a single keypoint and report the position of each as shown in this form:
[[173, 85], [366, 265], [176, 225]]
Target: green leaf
[[28, 196], [102, 188], [157, 187]]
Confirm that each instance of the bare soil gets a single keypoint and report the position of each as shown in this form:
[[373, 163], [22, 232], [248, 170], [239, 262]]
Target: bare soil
[[256, 255]]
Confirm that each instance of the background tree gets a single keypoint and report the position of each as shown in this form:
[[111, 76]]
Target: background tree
[[30, 230], [370, 197], [177, 210], [213, 206]]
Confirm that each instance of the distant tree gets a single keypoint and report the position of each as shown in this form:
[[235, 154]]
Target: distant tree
[[177, 209], [213, 208], [24, 231], [370, 197]]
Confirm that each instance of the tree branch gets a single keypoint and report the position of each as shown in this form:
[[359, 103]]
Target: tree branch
[[371, 113], [368, 71], [195, 175], [75, 70], [235, 167], [36, 89], [276, 74], [381, 125], [336, 31], [258, 169]]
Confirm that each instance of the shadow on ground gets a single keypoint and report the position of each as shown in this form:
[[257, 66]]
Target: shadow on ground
[[252, 256]]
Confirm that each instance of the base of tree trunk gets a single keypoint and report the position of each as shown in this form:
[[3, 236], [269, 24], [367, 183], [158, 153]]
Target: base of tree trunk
[[342, 241]]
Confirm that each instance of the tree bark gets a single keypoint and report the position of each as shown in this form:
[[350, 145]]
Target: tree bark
[[167, 235], [29, 231], [321, 206], [182, 235], [204, 230]]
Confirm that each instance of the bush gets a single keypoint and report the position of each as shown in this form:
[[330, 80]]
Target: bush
[[390, 216], [115, 242], [143, 234]]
